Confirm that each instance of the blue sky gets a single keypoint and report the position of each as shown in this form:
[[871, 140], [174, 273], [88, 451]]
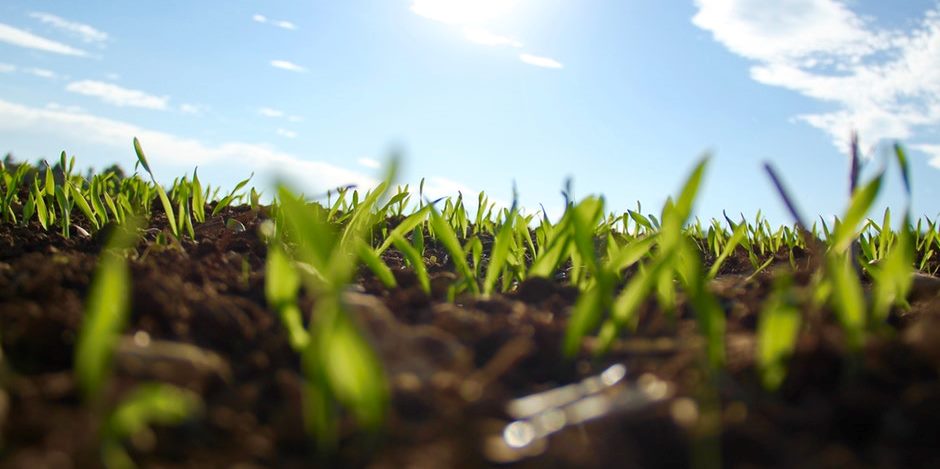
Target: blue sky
[[621, 96]]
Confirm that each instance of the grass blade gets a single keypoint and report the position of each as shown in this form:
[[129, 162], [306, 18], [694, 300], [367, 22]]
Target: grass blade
[[446, 235]]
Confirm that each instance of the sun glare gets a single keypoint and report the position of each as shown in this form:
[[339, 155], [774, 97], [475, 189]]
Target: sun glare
[[462, 11]]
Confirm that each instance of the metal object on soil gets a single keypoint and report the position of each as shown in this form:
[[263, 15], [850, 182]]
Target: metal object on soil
[[538, 416]]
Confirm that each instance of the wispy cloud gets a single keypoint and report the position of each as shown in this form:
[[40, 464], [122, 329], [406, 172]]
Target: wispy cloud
[[883, 83], [21, 38], [278, 114], [40, 72], [487, 38], [932, 150], [283, 24], [369, 163], [118, 96], [54, 106], [269, 112], [289, 66], [83, 31], [472, 17], [188, 108], [36, 72], [170, 150], [539, 61], [286, 133]]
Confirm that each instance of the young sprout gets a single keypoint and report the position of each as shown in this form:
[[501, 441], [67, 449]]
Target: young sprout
[[446, 235], [164, 199], [415, 259], [106, 315], [231, 197]]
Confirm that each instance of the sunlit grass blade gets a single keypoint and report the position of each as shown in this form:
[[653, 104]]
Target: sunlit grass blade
[[354, 372], [498, 254], [372, 260], [630, 254], [161, 193], [406, 225], [228, 199], [281, 287], [147, 404], [446, 235], [415, 259], [709, 314], [556, 246], [893, 276], [736, 236], [198, 200], [106, 312], [626, 305], [585, 218], [65, 211], [777, 332], [690, 191], [861, 201], [305, 227], [847, 298], [83, 206]]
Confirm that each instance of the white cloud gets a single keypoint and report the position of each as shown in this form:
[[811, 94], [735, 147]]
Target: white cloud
[[187, 108], [369, 163], [286, 133], [41, 73], [54, 106], [932, 150], [437, 186], [84, 32], [289, 66], [118, 96], [283, 24], [18, 37], [269, 112], [164, 149], [7, 68], [883, 83], [278, 114], [487, 38], [538, 61]]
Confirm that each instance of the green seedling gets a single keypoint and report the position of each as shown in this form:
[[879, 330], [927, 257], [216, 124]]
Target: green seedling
[[164, 199], [338, 364], [281, 287], [231, 197], [500, 253], [777, 332], [148, 404], [415, 259], [106, 315], [446, 235]]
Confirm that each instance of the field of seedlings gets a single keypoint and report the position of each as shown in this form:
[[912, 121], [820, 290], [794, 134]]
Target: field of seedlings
[[193, 326]]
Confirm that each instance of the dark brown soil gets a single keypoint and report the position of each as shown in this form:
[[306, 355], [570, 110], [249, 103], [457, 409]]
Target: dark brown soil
[[452, 367]]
